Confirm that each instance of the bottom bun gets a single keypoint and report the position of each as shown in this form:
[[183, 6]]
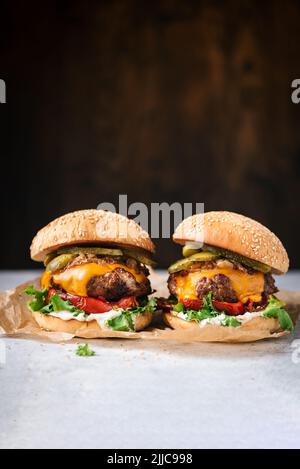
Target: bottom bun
[[89, 329], [255, 329]]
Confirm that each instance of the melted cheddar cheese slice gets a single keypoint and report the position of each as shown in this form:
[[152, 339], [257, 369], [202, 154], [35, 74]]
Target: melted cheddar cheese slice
[[75, 279], [246, 286]]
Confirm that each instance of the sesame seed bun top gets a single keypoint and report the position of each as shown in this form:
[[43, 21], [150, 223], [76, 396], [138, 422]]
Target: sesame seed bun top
[[236, 233], [89, 227]]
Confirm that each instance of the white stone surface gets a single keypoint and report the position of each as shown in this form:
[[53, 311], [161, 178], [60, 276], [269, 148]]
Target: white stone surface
[[138, 394]]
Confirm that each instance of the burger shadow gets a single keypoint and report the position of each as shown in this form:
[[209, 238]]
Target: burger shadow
[[202, 349]]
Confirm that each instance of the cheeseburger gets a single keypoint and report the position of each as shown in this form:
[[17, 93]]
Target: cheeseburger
[[224, 283], [95, 274]]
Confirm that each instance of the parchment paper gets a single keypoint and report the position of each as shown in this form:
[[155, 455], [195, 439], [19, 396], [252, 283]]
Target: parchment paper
[[17, 319]]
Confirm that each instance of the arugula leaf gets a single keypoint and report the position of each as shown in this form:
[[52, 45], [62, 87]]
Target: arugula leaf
[[206, 312], [129, 316], [125, 322], [179, 308], [39, 297], [121, 323], [85, 351], [231, 321], [48, 308], [285, 320], [192, 315], [58, 304], [274, 302], [275, 310], [149, 306], [55, 302], [207, 302]]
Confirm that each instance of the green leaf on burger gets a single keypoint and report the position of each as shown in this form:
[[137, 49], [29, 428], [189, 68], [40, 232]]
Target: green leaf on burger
[[275, 310], [54, 304]]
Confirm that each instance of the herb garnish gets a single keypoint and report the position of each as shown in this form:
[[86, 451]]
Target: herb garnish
[[84, 351]]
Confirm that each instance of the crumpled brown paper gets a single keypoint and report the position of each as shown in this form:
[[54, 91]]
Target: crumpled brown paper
[[17, 319]]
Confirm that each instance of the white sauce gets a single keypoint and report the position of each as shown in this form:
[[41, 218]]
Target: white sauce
[[178, 315], [100, 318], [217, 320], [248, 316]]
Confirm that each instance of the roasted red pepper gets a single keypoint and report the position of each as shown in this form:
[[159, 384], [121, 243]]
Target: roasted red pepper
[[192, 304], [126, 302], [164, 304], [94, 305], [233, 309]]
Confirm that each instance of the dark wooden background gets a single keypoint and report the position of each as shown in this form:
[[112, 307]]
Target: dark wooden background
[[164, 101]]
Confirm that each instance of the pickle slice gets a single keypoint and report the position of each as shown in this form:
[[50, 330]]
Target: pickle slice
[[90, 250], [183, 264], [188, 250], [203, 256], [59, 262], [49, 257], [140, 257], [239, 258]]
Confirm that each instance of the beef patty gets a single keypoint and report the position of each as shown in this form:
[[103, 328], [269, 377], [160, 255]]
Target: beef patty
[[220, 286], [119, 282], [270, 286]]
